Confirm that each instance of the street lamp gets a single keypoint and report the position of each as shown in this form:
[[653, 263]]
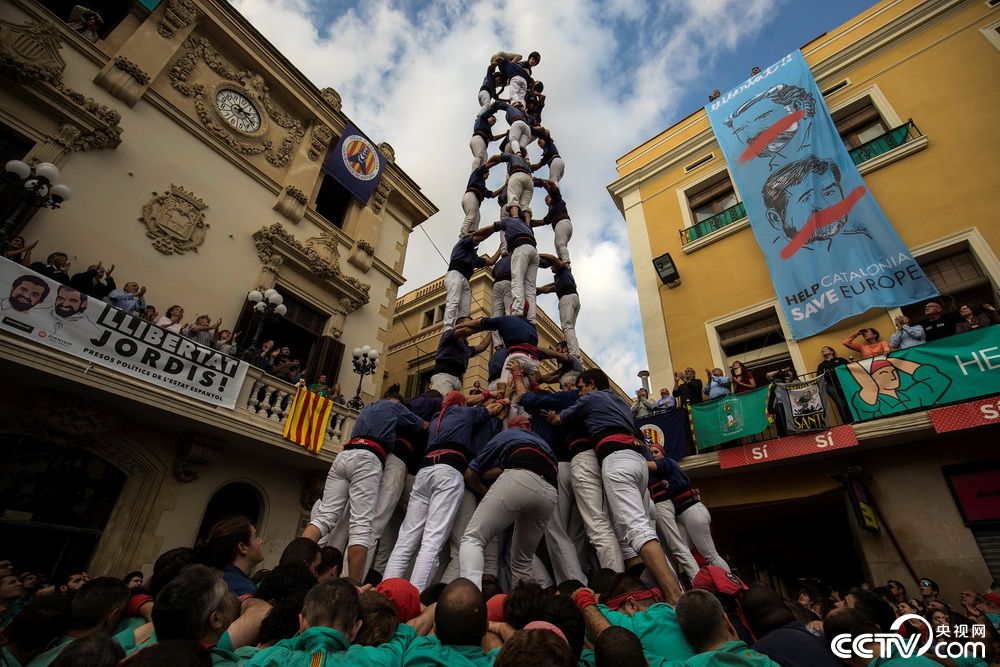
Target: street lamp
[[365, 363], [267, 307], [36, 188]]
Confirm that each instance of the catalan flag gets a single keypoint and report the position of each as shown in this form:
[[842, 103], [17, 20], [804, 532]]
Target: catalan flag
[[307, 419]]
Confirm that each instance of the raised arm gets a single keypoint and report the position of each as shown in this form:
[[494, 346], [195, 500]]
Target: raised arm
[[869, 389], [849, 342]]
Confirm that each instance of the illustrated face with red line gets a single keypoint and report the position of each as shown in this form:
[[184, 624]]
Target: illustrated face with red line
[[767, 123]]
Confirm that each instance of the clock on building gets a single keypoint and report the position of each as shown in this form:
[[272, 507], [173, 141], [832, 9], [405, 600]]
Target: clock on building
[[236, 109]]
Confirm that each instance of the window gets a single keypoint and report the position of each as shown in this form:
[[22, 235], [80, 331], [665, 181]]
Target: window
[[959, 278], [713, 198], [992, 33], [73, 12], [859, 123], [12, 147], [332, 200], [428, 318], [233, 498], [440, 313], [757, 341]]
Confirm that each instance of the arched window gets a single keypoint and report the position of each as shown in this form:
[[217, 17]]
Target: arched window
[[54, 504], [233, 498]]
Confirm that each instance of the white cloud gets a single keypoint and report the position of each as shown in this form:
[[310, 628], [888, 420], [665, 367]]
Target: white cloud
[[410, 76]]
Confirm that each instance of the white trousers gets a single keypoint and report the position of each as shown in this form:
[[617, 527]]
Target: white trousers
[[523, 277], [520, 188], [695, 524], [626, 480], [556, 169], [588, 490], [502, 300], [445, 382], [569, 309], [518, 137], [518, 89], [562, 549], [529, 365], [518, 498], [434, 502], [485, 100], [478, 146], [389, 491], [470, 206], [563, 232], [457, 299], [676, 544], [462, 519], [388, 541], [355, 476]]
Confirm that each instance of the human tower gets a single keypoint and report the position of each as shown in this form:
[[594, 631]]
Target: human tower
[[480, 480]]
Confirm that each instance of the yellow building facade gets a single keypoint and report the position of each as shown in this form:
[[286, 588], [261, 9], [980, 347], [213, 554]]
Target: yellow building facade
[[911, 86]]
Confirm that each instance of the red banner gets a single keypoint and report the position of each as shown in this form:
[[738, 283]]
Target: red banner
[[966, 415], [838, 437], [978, 494]]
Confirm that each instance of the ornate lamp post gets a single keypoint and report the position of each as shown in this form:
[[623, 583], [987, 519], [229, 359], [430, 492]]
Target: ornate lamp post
[[267, 307], [365, 363], [37, 188]]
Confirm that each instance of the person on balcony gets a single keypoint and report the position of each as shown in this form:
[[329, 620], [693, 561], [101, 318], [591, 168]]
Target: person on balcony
[[666, 401], [717, 384], [833, 389], [337, 395], [935, 325], [743, 379], [356, 475], [96, 281], [319, 386], [642, 406], [225, 341], [18, 252], [131, 299], [871, 346], [289, 371], [976, 318], [202, 331], [56, 267], [687, 388], [171, 321], [906, 335]]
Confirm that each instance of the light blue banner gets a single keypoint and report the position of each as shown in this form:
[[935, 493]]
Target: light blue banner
[[831, 251]]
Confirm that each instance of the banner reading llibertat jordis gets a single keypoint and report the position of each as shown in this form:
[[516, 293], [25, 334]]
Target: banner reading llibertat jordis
[[830, 249], [65, 319]]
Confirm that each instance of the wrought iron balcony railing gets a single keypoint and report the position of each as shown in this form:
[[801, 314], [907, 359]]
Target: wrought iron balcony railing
[[883, 144], [716, 222]]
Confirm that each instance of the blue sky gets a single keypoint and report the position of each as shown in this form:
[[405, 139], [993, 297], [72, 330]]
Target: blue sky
[[615, 75]]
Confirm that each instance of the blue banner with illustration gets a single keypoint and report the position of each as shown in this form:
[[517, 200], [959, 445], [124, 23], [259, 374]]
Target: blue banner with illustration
[[831, 251], [356, 164], [947, 370], [667, 430]]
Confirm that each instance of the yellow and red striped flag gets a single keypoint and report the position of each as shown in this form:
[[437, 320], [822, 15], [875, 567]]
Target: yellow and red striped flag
[[307, 419]]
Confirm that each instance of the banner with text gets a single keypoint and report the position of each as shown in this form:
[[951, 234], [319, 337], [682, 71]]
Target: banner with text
[[804, 404], [831, 251], [952, 369], [667, 430], [356, 163], [730, 417], [60, 317]]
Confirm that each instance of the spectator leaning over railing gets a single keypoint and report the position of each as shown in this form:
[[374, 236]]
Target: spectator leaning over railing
[[642, 406], [666, 400], [130, 299], [225, 341], [833, 388], [171, 321], [96, 281], [907, 335], [717, 384], [934, 324], [150, 314], [871, 345], [203, 331], [18, 252], [743, 379], [975, 318], [55, 268], [687, 388]]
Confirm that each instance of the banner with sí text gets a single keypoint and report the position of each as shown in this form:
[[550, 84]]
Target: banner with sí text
[[948, 370], [830, 249], [65, 319]]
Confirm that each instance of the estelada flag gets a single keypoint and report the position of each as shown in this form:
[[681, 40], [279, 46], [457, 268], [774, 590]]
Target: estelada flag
[[307, 419], [356, 163]]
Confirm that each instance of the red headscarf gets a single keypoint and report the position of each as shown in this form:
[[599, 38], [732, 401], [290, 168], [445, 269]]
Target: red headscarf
[[519, 421], [453, 398], [494, 607], [403, 595]]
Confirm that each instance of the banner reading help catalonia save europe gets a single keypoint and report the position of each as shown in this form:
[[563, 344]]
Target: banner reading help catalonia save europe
[[60, 317], [956, 368], [831, 251]]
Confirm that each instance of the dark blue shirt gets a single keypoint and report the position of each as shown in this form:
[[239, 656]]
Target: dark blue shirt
[[377, 421], [494, 453], [557, 209], [497, 360], [602, 412], [501, 270], [550, 151], [477, 182], [670, 472], [516, 231], [515, 163], [514, 331], [482, 126], [514, 114], [565, 284], [456, 426], [452, 354], [510, 69], [237, 580], [465, 258]]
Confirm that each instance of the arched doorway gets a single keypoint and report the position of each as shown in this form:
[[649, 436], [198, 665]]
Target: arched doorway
[[233, 498], [54, 504]]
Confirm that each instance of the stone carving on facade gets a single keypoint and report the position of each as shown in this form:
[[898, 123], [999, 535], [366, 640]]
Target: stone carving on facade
[[321, 137], [332, 97], [133, 70], [198, 49], [192, 459], [175, 220], [380, 196], [318, 255], [385, 148], [296, 194], [29, 54], [177, 15]]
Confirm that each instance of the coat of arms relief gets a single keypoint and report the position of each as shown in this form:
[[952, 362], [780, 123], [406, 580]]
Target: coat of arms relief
[[175, 220]]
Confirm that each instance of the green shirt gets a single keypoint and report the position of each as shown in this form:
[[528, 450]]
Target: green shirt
[[731, 654], [336, 650], [7, 658], [124, 633], [922, 389], [429, 652], [48, 657], [656, 628]]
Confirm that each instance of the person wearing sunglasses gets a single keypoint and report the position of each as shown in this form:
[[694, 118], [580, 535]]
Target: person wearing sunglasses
[[928, 590], [897, 590]]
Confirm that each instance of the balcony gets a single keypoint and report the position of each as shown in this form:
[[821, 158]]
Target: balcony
[[715, 223], [880, 145]]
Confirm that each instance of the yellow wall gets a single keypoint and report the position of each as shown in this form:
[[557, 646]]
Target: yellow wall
[[944, 76]]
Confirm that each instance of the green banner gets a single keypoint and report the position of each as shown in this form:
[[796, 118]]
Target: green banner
[[735, 416], [956, 368]]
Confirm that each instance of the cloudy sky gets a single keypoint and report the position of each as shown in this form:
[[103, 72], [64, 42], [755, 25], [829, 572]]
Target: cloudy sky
[[615, 74]]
